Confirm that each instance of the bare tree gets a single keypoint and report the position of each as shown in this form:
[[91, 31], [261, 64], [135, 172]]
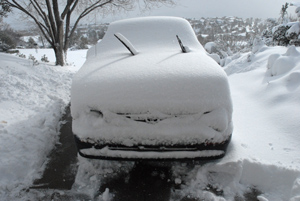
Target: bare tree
[[53, 17], [284, 14], [4, 8]]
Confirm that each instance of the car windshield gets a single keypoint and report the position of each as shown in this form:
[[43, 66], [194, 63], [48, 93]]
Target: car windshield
[[148, 33]]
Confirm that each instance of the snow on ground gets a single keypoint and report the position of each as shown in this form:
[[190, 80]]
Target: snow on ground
[[32, 100], [266, 119], [263, 154]]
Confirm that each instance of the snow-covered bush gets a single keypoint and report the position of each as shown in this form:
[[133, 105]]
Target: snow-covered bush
[[31, 43], [44, 58], [34, 61], [258, 43], [267, 34], [217, 50], [281, 64], [3, 46], [287, 33], [279, 37], [22, 55], [211, 47], [293, 34], [293, 31]]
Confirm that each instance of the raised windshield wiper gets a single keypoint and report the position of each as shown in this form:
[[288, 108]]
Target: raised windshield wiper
[[126, 43], [184, 49]]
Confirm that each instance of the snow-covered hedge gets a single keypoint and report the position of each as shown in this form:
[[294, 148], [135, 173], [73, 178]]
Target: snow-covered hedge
[[287, 34]]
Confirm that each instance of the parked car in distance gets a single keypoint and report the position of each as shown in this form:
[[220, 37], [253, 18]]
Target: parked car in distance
[[149, 90]]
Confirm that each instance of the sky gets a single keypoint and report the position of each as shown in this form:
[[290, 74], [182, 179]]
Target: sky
[[218, 8], [198, 8], [221, 8]]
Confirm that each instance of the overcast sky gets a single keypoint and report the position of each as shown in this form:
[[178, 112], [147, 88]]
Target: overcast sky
[[219, 8], [206, 8]]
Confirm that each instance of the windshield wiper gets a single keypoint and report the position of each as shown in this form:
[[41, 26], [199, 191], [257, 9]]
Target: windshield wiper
[[126, 43], [184, 49]]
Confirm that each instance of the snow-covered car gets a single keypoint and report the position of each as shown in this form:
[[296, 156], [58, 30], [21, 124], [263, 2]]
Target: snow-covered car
[[162, 99]]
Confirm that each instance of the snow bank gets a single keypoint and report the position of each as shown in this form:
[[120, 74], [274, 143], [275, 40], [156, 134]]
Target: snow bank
[[281, 64], [234, 180], [266, 97], [74, 58], [33, 99]]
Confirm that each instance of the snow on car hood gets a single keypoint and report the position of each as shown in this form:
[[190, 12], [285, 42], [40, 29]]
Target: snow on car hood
[[170, 81], [159, 77]]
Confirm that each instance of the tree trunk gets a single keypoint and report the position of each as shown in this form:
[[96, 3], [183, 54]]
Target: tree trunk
[[59, 45], [60, 56]]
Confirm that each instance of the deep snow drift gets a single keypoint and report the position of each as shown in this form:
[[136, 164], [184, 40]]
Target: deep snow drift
[[263, 154], [32, 100]]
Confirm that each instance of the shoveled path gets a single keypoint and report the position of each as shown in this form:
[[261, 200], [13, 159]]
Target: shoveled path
[[61, 169], [145, 182]]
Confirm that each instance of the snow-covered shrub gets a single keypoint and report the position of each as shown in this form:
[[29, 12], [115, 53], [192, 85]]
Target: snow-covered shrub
[[287, 33], [217, 51], [250, 57], [83, 43], [258, 43], [34, 61], [211, 47], [3, 46], [281, 64], [271, 60], [293, 31], [267, 34], [22, 55], [293, 34], [31, 43], [44, 58], [279, 36]]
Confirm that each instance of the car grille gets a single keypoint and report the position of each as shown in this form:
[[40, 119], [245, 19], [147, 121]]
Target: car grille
[[145, 118]]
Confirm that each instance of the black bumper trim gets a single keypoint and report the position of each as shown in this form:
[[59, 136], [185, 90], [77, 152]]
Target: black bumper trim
[[81, 145]]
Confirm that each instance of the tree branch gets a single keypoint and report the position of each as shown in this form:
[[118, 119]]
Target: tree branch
[[37, 8], [67, 8], [87, 11], [51, 20]]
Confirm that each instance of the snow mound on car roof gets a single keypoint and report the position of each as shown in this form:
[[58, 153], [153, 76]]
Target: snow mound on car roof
[[147, 33]]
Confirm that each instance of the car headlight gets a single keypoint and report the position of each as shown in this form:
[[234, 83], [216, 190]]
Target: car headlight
[[96, 113]]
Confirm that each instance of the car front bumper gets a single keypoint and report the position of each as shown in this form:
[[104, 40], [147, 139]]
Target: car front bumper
[[203, 151]]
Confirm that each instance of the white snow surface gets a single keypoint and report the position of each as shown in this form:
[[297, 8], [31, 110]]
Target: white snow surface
[[263, 154], [32, 101]]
